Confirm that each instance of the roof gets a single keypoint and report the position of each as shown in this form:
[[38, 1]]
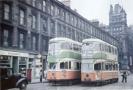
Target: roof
[[93, 40], [96, 40], [63, 39]]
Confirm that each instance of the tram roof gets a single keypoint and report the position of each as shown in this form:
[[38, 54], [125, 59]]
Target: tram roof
[[58, 39], [95, 40]]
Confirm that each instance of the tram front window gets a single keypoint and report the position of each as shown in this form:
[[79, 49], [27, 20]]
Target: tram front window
[[52, 65], [64, 65], [97, 66], [87, 66]]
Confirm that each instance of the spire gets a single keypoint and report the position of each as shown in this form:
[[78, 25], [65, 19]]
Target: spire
[[111, 9]]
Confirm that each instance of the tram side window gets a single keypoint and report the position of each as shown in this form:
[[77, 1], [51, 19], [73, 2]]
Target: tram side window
[[76, 66], [97, 66], [69, 65], [113, 50], [109, 49], [66, 65], [107, 67], [62, 65], [100, 45], [116, 67], [110, 66]]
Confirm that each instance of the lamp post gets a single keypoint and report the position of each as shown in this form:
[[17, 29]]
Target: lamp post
[[39, 56]]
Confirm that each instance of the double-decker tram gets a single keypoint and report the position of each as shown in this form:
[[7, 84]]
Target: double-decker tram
[[64, 61], [99, 64]]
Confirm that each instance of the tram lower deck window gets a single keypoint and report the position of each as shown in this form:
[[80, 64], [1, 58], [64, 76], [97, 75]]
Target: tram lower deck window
[[97, 66], [64, 65], [51, 65]]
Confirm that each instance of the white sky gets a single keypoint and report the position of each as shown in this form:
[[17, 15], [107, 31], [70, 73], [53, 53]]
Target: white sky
[[99, 9]]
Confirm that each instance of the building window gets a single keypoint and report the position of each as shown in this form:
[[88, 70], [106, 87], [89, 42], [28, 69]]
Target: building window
[[34, 21], [33, 2], [22, 17], [21, 41], [52, 10], [34, 43], [44, 25], [49, 8], [6, 37], [58, 11], [44, 45], [6, 12], [67, 17], [44, 5], [59, 30], [63, 15], [52, 27]]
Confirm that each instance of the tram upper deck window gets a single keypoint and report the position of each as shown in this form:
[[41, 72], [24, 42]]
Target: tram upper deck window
[[97, 66], [65, 45], [115, 51], [76, 47], [89, 46], [109, 49], [87, 43]]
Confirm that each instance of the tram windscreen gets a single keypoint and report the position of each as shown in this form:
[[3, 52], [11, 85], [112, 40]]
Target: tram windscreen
[[91, 46], [64, 65], [54, 48], [88, 46], [52, 65], [86, 67], [97, 66]]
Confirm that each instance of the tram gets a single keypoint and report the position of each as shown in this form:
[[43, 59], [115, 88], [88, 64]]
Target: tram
[[64, 61], [99, 64]]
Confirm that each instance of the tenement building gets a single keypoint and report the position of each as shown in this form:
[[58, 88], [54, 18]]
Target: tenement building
[[27, 25], [119, 29]]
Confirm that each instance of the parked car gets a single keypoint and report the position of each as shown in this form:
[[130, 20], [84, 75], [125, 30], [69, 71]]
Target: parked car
[[10, 80]]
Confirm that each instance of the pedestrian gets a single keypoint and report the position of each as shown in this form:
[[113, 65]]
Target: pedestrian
[[41, 74], [124, 77], [45, 74]]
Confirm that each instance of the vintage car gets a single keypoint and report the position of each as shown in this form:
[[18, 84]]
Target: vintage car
[[9, 80]]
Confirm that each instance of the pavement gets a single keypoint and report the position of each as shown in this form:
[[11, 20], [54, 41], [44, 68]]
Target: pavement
[[34, 81]]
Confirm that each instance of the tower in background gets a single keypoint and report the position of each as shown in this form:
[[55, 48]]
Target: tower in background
[[118, 29], [117, 21]]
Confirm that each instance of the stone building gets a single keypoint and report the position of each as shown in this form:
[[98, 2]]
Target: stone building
[[119, 29], [27, 25]]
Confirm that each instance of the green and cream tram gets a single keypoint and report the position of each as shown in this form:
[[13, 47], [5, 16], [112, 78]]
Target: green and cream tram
[[64, 60], [99, 62]]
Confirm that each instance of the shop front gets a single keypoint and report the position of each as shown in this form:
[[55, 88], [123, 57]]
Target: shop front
[[26, 64], [16, 60]]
